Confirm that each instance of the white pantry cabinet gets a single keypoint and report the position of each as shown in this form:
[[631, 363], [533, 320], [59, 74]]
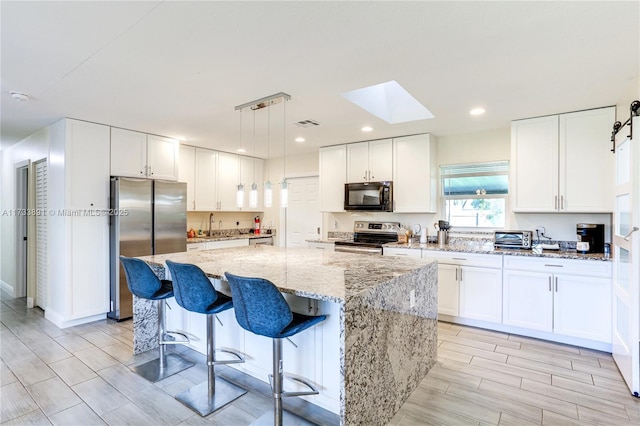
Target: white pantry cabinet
[[333, 175], [476, 280], [566, 297], [78, 231], [415, 174], [562, 163], [136, 154], [370, 161], [187, 174]]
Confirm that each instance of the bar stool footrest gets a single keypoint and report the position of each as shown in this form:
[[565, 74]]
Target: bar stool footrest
[[313, 391], [239, 360], [169, 339]]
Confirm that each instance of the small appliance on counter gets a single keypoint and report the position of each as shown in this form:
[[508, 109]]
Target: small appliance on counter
[[590, 238], [513, 239], [443, 232]]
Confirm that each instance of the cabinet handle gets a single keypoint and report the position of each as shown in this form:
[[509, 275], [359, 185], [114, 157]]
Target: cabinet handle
[[365, 175], [562, 202], [556, 284], [459, 258], [461, 275], [320, 248], [149, 171], [554, 266], [456, 274], [549, 283], [555, 203]]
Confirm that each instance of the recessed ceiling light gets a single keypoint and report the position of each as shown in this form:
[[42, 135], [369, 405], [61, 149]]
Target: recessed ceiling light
[[19, 96], [300, 139], [477, 111], [367, 129], [390, 102], [241, 150]]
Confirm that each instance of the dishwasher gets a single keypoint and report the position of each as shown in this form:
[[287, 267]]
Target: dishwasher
[[261, 240]]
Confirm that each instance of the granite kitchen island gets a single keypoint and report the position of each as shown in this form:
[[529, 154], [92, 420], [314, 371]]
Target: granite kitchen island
[[379, 339]]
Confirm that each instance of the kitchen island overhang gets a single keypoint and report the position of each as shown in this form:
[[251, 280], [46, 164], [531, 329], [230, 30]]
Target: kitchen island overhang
[[386, 307]]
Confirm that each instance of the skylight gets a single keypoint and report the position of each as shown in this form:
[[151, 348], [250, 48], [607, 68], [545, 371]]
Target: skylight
[[390, 102]]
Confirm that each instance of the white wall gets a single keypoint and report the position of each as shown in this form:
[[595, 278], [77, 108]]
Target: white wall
[[33, 148]]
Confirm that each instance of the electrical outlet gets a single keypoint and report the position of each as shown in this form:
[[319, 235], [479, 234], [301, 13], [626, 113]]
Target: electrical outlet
[[540, 230], [412, 299]]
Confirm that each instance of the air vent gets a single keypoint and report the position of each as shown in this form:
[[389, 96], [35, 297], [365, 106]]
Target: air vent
[[307, 123]]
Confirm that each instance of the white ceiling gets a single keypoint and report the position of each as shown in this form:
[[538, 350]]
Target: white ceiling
[[180, 68]]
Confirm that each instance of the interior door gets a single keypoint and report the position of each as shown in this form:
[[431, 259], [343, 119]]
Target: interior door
[[303, 212], [626, 252]]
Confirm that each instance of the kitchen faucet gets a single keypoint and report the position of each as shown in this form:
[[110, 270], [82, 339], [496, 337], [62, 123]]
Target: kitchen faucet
[[210, 220]]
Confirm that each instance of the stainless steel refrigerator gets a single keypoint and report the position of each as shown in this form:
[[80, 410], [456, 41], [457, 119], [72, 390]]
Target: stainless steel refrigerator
[[150, 217]]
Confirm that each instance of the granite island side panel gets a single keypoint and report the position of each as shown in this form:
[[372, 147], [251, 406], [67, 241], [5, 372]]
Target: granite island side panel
[[386, 345]]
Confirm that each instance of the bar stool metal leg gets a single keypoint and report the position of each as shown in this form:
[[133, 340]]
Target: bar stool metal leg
[[216, 392], [167, 364]]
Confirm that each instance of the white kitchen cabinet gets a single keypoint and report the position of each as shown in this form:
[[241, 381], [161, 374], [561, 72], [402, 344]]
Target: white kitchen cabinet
[[415, 174], [566, 297], [333, 175], [187, 173], [469, 285], [562, 163], [370, 161], [241, 242], [228, 179], [402, 252], [448, 290], [206, 185], [321, 245], [196, 246], [78, 234], [251, 171], [136, 154]]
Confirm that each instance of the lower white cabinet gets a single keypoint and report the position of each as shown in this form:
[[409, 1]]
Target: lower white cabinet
[[566, 297], [469, 285], [402, 252], [319, 245]]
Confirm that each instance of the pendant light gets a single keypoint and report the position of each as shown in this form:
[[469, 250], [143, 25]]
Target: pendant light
[[284, 190], [253, 193], [268, 192], [240, 189]]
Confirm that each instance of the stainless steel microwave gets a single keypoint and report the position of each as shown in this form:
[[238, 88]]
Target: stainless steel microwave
[[369, 196], [513, 239]]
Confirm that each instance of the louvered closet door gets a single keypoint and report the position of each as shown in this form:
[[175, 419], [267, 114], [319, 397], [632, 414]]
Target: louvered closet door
[[41, 234]]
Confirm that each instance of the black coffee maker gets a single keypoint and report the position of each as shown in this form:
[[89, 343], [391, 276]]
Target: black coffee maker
[[591, 233]]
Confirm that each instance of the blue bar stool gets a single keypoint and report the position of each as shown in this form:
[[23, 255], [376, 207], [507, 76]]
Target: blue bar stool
[[261, 309], [146, 285], [195, 293]]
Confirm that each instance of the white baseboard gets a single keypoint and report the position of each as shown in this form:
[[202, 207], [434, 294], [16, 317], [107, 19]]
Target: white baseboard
[[60, 322], [6, 287]]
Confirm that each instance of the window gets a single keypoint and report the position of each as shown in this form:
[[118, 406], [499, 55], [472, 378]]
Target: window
[[475, 195]]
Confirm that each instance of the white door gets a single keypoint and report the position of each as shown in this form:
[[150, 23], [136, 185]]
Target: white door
[[626, 252], [303, 213], [42, 255]]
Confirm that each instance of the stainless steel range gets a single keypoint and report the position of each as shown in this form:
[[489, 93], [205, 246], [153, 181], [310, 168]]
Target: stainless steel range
[[368, 237]]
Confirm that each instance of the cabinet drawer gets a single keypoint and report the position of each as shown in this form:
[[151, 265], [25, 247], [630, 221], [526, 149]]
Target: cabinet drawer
[[401, 252], [565, 266], [464, 259], [195, 246]]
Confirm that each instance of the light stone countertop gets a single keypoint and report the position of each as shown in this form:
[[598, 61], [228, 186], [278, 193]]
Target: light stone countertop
[[487, 248], [227, 237], [335, 277]]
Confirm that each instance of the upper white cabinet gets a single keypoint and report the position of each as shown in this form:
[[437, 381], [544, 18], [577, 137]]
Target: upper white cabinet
[[187, 173], [333, 175], [228, 179], [562, 163], [415, 174], [136, 154], [206, 184], [370, 161]]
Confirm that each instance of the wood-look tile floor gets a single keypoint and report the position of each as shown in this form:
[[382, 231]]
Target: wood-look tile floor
[[489, 378], [82, 376]]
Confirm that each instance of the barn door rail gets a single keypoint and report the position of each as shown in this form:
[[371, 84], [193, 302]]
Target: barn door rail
[[634, 109]]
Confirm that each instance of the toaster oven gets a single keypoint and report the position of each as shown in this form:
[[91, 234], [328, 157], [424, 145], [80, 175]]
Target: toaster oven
[[513, 239]]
